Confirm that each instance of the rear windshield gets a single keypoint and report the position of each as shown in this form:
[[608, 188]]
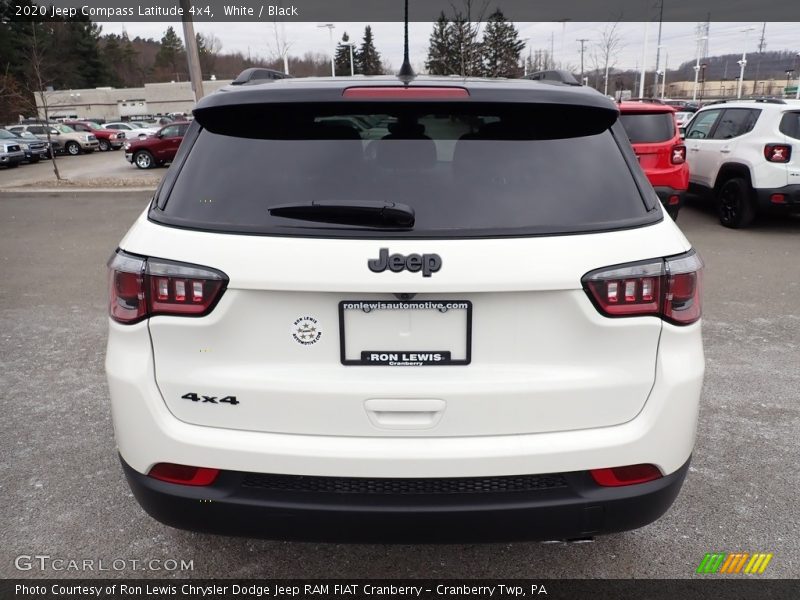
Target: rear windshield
[[649, 128], [462, 172]]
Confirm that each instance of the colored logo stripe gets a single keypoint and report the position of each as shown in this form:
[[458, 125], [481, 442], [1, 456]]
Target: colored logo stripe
[[711, 562], [721, 562], [758, 563]]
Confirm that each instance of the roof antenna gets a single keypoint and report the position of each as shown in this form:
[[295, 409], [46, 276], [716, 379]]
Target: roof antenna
[[406, 72]]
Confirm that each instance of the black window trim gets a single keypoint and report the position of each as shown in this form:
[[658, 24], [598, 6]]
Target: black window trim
[[649, 199]]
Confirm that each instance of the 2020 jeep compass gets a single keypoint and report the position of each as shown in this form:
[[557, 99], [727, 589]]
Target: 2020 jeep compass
[[477, 325]]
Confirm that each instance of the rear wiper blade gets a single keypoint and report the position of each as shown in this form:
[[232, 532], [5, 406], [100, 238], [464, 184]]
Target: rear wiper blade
[[367, 213]]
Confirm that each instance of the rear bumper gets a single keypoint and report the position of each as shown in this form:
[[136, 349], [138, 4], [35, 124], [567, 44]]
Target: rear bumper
[[791, 198], [565, 506], [671, 199]]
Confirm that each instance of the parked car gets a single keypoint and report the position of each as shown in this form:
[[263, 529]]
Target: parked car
[[682, 118], [107, 139], [132, 129], [33, 147], [746, 155], [11, 153], [62, 137], [659, 148], [158, 149], [683, 105], [487, 331]]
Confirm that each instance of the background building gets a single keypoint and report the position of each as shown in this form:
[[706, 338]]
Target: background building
[[115, 104]]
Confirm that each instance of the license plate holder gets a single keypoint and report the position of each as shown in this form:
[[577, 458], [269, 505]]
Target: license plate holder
[[405, 332]]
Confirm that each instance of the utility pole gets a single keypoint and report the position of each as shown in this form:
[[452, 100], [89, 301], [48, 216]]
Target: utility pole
[[644, 59], [658, 49], [192, 54], [743, 62], [331, 27], [582, 41]]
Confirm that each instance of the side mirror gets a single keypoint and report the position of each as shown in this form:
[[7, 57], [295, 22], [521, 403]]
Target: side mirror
[[159, 135], [55, 132], [682, 131]]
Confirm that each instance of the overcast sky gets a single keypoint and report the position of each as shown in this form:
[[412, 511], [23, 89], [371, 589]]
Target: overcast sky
[[678, 39]]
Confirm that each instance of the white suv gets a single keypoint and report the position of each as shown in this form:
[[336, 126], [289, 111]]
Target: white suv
[[742, 153], [480, 326]]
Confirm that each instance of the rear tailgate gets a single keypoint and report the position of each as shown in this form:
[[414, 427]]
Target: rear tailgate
[[541, 357], [509, 197]]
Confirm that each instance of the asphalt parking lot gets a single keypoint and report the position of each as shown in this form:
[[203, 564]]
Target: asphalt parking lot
[[96, 169], [62, 492]]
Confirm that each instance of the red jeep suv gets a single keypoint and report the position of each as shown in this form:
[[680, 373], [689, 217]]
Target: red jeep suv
[[156, 149], [658, 145]]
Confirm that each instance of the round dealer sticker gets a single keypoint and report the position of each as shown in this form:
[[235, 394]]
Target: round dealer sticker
[[306, 331]]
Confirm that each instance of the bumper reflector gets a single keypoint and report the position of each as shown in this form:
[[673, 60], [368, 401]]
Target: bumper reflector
[[629, 475], [183, 474], [777, 199]]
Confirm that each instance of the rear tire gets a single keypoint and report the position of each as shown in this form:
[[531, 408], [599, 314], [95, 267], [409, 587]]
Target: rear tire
[[104, 146], [735, 204], [143, 159], [73, 148]]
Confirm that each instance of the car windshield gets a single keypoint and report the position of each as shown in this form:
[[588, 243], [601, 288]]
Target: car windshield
[[7, 135], [63, 128], [649, 128], [477, 171], [92, 124]]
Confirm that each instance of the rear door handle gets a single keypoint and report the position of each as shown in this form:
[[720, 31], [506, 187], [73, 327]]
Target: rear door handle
[[725, 151]]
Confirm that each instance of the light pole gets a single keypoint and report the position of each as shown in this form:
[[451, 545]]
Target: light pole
[[664, 76], [697, 67], [797, 91], [331, 27], [659, 73], [351, 44], [743, 63]]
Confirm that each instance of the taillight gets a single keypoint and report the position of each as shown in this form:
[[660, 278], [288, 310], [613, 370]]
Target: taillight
[[678, 156], [183, 474], [142, 287], [778, 153], [668, 288], [628, 475]]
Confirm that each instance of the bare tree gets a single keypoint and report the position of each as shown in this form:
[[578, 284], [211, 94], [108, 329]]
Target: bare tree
[[608, 49], [465, 26], [32, 95], [281, 49]]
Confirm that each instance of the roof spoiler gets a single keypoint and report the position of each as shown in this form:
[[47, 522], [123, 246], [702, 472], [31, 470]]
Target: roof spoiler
[[258, 75], [553, 76]]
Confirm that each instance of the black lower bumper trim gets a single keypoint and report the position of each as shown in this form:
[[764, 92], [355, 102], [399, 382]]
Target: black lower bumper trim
[[664, 193], [791, 197], [578, 509]]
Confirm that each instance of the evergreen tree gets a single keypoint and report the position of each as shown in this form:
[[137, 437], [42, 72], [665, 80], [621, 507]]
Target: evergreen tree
[[501, 47], [83, 50], [342, 59], [368, 60], [168, 59], [441, 55], [208, 46], [465, 47]]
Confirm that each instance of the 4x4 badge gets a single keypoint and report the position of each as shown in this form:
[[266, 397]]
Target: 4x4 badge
[[427, 263]]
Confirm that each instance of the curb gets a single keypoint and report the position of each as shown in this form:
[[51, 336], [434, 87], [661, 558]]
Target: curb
[[75, 190]]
